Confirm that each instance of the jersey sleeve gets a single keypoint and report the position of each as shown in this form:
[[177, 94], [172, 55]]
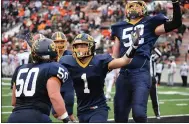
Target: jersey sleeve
[[113, 32], [106, 59], [67, 52], [59, 71], [64, 60], [158, 20]]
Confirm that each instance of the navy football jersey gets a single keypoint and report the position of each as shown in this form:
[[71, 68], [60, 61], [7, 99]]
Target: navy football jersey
[[67, 52], [122, 30], [88, 81], [31, 80], [67, 86]]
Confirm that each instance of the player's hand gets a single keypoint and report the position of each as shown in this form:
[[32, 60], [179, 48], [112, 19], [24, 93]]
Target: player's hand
[[135, 38], [135, 35]]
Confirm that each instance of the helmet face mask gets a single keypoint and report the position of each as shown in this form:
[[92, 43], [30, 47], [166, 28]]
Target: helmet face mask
[[135, 9], [61, 46], [82, 50], [83, 46], [61, 41]]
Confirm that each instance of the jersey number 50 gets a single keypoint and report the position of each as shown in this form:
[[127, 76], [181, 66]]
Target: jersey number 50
[[23, 85], [127, 35]]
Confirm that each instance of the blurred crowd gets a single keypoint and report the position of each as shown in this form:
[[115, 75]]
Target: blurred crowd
[[72, 17]]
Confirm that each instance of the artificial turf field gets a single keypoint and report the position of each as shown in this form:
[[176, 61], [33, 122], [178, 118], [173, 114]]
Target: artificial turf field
[[172, 100]]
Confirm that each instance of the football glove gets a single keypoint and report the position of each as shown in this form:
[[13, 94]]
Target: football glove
[[135, 42]]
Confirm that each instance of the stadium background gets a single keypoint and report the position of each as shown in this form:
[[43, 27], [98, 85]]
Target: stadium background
[[94, 17]]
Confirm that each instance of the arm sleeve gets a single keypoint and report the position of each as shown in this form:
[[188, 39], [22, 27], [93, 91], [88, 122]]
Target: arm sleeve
[[106, 59], [158, 20], [113, 32], [177, 19]]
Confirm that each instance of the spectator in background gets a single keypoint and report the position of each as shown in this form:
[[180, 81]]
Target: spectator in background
[[77, 8], [178, 42], [171, 71], [4, 61], [184, 69], [182, 29], [47, 16]]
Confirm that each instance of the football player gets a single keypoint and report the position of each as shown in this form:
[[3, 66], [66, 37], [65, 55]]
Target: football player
[[133, 83], [31, 40], [67, 90], [88, 72], [36, 86]]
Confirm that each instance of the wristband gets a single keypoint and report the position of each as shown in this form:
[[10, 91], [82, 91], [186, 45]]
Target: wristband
[[63, 116], [131, 51]]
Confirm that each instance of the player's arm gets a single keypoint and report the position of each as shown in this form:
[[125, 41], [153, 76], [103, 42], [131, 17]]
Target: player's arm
[[116, 48], [127, 57], [53, 88], [171, 25], [13, 102]]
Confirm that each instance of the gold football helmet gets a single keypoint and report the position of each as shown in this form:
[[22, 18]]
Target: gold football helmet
[[84, 52], [60, 40], [135, 9]]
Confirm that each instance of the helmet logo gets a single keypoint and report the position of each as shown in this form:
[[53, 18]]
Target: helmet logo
[[53, 46], [79, 36], [90, 38]]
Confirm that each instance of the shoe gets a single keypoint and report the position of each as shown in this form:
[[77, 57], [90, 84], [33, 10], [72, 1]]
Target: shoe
[[158, 117]]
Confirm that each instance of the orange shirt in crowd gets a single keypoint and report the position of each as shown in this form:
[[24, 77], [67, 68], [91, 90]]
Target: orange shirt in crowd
[[48, 22], [186, 6], [33, 16], [105, 32], [62, 12], [41, 26], [24, 45], [21, 12]]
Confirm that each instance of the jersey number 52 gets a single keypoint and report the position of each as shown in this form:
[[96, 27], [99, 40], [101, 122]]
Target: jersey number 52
[[127, 35]]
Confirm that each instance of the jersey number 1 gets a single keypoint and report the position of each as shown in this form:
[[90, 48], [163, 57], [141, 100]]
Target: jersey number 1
[[23, 85], [84, 77]]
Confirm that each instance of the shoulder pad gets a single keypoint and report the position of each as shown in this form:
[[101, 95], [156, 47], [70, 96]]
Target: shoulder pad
[[67, 59]]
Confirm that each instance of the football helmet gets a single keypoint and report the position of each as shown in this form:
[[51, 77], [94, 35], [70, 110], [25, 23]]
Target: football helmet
[[44, 50], [38, 37], [84, 52], [61, 41], [135, 9]]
